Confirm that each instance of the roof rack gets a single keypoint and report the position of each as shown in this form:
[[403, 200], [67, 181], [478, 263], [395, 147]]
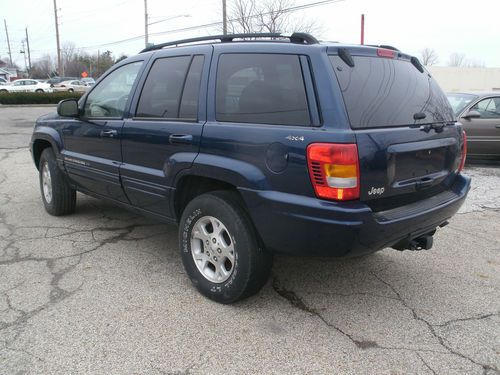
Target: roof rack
[[299, 38]]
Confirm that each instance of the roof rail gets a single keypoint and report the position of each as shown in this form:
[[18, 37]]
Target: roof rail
[[299, 38]]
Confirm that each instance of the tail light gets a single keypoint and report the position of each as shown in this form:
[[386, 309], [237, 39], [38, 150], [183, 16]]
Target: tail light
[[387, 53], [334, 170], [464, 151]]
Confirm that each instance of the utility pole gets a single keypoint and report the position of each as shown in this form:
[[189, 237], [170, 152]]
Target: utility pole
[[362, 29], [224, 18], [8, 41], [28, 47], [23, 51], [60, 69], [146, 36]]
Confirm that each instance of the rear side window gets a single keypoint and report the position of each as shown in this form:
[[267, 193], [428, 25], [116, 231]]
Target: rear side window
[[261, 88], [381, 92], [170, 91]]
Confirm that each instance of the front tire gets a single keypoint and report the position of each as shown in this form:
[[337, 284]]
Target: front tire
[[220, 250], [39, 91], [57, 195]]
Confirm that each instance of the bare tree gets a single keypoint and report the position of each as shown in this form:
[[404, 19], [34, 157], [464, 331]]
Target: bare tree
[[253, 16], [429, 56], [242, 15], [475, 64], [43, 68], [456, 59]]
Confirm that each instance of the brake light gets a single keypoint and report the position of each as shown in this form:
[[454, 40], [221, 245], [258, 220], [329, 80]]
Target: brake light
[[334, 170], [464, 151], [382, 52]]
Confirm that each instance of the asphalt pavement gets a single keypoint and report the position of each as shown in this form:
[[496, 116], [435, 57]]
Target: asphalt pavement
[[103, 291]]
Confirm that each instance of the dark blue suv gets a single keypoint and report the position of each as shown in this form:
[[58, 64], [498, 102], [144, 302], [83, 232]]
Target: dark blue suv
[[261, 144]]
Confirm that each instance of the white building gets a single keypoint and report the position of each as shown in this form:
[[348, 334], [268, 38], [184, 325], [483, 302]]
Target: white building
[[466, 79]]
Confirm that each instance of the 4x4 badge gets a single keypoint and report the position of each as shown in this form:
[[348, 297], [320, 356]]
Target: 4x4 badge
[[296, 138]]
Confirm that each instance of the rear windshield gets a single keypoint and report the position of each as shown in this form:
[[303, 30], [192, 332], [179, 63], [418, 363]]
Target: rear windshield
[[381, 92]]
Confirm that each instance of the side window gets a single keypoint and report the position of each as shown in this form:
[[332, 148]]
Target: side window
[[171, 92], [261, 88], [108, 99], [190, 94], [488, 108]]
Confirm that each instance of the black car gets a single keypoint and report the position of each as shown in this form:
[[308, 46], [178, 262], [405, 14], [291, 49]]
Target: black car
[[262, 144]]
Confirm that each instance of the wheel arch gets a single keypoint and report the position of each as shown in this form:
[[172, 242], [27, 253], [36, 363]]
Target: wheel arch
[[42, 139]]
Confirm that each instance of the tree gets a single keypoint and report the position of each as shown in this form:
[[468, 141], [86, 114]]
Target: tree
[[252, 16], [43, 68], [456, 59], [429, 56]]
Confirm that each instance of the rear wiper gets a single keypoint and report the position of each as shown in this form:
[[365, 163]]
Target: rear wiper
[[438, 126], [419, 116]]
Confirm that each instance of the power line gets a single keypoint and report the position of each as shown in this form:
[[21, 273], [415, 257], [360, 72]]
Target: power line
[[212, 24]]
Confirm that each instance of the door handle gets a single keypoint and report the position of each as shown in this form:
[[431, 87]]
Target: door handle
[[109, 133], [185, 139], [497, 126]]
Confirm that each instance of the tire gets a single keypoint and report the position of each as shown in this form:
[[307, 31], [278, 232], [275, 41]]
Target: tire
[[70, 90], [3, 91], [237, 278], [39, 90], [57, 195]]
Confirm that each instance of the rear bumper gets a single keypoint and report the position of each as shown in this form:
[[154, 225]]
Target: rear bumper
[[295, 224]]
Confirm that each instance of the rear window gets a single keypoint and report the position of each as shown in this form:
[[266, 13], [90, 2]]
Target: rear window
[[381, 92]]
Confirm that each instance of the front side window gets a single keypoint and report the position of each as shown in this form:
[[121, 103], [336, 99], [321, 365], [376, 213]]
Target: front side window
[[261, 88], [109, 98], [170, 91], [488, 108]]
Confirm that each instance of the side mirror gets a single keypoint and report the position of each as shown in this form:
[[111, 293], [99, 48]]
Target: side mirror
[[471, 114], [68, 108]]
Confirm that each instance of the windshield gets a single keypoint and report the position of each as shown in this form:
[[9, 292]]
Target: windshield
[[381, 92], [460, 101]]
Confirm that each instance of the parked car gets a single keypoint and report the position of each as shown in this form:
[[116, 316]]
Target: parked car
[[3, 81], [480, 115], [262, 147], [26, 85], [89, 81], [71, 86], [55, 80]]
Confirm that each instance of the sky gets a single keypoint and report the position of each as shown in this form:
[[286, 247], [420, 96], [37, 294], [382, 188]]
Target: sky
[[447, 26]]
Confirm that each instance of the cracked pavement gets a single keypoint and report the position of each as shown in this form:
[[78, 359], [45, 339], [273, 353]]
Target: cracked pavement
[[103, 291]]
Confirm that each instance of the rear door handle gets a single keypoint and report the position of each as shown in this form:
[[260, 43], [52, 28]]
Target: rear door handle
[[185, 139], [109, 133]]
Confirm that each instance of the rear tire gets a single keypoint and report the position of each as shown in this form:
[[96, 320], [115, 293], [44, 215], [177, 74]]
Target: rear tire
[[230, 264], [57, 195], [38, 90], [71, 90]]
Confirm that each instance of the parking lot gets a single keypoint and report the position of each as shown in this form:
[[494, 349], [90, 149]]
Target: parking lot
[[103, 291]]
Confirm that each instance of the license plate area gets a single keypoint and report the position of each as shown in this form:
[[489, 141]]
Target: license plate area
[[420, 163]]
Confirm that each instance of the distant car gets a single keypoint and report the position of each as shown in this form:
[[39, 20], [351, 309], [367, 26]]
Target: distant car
[[26, 85], [89, 81], [54, 80], [480, 115], [71, 86]]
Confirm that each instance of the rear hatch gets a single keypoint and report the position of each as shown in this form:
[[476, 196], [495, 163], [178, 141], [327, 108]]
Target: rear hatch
[[408, 142]]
